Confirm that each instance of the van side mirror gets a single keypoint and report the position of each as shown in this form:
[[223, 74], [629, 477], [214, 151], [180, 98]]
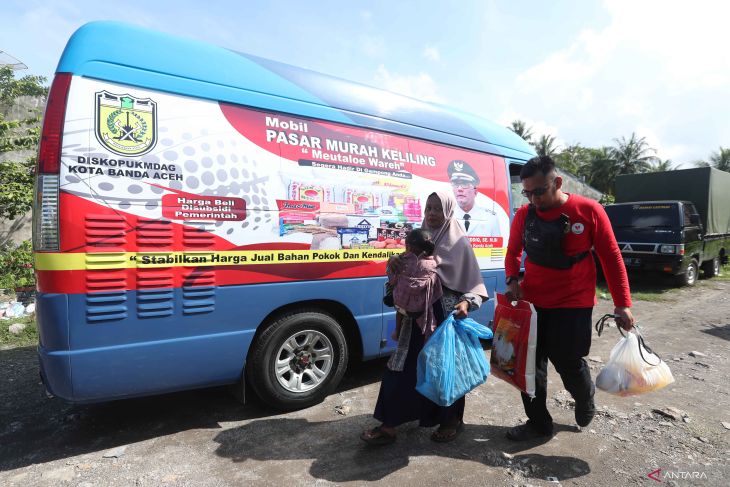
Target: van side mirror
[[694, 219]]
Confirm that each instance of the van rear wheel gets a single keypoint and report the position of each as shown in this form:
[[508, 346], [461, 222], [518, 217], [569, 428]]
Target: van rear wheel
[[298, 360]]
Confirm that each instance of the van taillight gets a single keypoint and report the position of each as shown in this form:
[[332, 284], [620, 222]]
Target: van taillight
[[49, 154], [45, 213], [45, 208]]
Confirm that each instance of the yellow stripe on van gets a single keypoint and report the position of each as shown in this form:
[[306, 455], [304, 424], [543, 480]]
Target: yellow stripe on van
[[59, 262], [127, 260]]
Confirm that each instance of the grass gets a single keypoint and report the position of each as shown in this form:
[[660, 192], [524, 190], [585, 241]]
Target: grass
[[641, 291], [28, 337], [657, 288], [724, 273]]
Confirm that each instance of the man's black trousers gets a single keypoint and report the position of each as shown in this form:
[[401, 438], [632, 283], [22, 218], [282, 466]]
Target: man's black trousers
[[563, 337]]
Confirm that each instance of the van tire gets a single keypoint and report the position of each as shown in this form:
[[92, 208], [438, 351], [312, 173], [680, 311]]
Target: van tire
[[311, 351], [689, 276], [711, 268]]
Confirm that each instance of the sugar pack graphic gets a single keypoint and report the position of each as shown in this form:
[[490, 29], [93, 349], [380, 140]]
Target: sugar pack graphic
[[126, 125]]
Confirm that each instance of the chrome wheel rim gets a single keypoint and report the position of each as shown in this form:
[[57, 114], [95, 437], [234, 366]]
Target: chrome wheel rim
[[691, 274], [303, 361]]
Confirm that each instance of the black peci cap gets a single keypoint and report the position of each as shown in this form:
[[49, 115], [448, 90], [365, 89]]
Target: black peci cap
[[461, 172]]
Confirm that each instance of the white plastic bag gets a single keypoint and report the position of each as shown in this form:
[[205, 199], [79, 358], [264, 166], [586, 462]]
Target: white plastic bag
[[633, 369]]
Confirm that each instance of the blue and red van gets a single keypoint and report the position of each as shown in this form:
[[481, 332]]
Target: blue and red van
[[207, 217]]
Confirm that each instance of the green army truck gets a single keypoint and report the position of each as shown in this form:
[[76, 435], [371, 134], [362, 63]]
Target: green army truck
[[673, 222]]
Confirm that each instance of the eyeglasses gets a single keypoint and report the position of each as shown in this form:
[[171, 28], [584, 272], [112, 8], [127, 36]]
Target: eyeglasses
[[535, 192], [462, 185]]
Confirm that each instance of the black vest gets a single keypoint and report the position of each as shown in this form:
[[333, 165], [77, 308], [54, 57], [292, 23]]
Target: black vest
[[543, 241]]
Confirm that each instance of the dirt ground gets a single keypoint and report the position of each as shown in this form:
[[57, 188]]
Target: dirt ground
[[207, 438]]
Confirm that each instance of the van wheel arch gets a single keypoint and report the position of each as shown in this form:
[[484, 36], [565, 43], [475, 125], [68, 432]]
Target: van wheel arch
[[711, 268], [337, 310], [690, 274]]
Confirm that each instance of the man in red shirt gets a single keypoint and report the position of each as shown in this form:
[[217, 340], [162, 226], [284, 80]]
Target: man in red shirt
[[557, 230]]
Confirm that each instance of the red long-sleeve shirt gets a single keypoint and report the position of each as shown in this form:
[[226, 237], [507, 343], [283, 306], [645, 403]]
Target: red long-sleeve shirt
[[575, 287]]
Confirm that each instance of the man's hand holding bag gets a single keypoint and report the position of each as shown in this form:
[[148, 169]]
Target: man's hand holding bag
[[515, 343]]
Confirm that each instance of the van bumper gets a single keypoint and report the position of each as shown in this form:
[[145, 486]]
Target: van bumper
[[58, 383], [666, 264], [53, 354]]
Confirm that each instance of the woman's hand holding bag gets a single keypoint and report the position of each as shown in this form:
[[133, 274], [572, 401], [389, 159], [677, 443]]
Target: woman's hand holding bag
[[452, 362]]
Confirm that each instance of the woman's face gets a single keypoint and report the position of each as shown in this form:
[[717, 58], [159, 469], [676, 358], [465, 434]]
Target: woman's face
[[434, 212]]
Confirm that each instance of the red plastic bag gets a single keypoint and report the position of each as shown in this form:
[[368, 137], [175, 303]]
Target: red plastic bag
[[515, 343]]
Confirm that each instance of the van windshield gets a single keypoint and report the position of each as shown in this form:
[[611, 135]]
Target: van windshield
[[650, 215]]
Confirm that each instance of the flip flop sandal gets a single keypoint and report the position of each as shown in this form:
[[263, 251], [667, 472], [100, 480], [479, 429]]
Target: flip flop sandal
[[377, 437], [445, 435]]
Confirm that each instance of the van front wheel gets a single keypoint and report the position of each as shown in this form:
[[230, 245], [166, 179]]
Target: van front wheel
[[298, 360], [689, 276]]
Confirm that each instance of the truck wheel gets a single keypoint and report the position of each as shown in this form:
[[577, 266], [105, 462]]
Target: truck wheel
[[689, 277], [298, 360], [711, 268]]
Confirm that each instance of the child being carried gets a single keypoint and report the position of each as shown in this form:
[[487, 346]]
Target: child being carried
[[417, 286]]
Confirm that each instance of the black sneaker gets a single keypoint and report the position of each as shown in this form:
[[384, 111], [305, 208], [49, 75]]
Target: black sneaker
[[585, 412], [526, 432]]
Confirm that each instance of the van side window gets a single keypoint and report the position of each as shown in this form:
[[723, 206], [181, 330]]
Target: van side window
[[516, 186]]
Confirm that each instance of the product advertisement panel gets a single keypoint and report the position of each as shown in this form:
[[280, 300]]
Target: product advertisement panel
[[270, 190]]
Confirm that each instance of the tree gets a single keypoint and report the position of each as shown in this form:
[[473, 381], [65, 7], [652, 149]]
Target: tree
[[632, 156], [520, 128], [665, 165], [16, 178], [573, 158], [625, 157], [545, 146], [11, 88], [601, 169], [719, 159], [16, 181]]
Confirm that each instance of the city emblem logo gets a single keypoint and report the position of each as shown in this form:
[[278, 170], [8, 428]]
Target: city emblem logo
[[126, 125]]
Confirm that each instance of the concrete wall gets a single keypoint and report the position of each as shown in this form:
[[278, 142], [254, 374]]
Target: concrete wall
[[16, 230], [25, 107], [572, 184]]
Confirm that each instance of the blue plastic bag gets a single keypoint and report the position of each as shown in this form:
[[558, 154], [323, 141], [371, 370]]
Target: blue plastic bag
[[452, 361]]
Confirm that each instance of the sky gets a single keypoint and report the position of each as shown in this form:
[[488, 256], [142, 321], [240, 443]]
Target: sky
[[585, 72]]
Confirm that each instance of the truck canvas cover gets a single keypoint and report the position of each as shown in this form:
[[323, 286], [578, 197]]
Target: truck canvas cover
[[706, 187]]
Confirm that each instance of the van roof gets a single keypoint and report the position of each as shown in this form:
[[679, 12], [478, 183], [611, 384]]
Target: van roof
[[131, 55]]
